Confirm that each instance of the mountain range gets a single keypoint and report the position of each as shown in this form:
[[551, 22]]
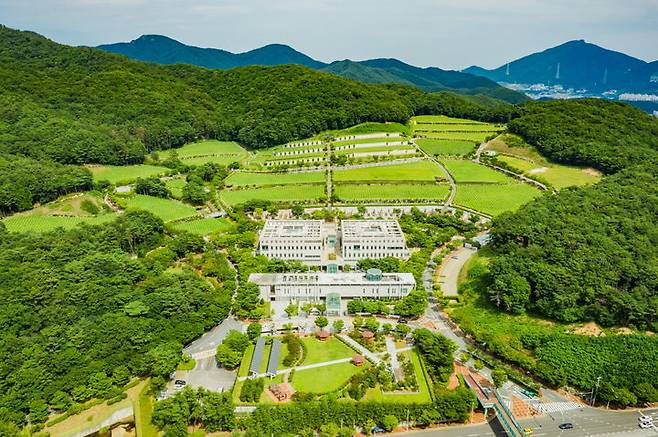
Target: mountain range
[[164, 50], [577, 68]]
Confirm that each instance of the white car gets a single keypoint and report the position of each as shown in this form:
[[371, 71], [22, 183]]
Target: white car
[[646, 425], [644, 418]]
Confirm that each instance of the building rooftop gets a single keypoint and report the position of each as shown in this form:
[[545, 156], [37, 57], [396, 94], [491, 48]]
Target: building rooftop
[[370, 228], [291, 229], [319, 278]]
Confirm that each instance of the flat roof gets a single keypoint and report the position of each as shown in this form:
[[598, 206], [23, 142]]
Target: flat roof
[[320, 278], [291, 229], [370, 228], [274, 357], [257, 357]]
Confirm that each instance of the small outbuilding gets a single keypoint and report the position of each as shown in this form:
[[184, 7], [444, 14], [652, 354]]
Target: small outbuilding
[[358, 360], [367, 335], [282, 392], [323, 335]]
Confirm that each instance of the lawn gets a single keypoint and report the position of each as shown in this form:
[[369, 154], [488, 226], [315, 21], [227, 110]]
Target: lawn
[[125, 174], [320, 351], [241, 178], [219, 152], [292, 193], [446, 147], [392, 150], [468, 171], [372, 128], [167, 209], [143, 407], [382, 139], [412, 171], [456, 128], [205, 226], [420, 119], [465, 136], [494, 199], [324, 379], [44, 223], [392, 192], [246, 361], [559, 176], [176, 186]]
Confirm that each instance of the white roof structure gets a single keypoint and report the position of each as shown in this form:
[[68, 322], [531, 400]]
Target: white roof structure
[[291, 229], [370, 229]]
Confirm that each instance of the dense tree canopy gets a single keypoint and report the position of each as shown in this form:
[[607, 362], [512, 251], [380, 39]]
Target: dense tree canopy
[[586, 253], [80, 315]]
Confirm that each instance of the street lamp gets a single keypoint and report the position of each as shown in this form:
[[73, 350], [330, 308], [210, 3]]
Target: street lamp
[[596, 389]]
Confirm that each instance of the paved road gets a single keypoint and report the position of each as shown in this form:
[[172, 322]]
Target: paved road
[[211, 339], [206, 374], [587, 422], [450, 268]]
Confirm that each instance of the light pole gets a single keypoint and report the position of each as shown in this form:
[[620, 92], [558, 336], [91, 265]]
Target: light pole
[[596, 389]]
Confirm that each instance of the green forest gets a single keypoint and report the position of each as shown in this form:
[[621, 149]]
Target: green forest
[[586, 253], [82, 316]]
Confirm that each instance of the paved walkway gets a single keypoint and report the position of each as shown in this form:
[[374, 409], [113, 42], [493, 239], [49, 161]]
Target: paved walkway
[[371, 356], [393, 353]]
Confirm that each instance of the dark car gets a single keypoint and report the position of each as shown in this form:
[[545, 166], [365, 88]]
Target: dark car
[[180, 382], [566, 425]]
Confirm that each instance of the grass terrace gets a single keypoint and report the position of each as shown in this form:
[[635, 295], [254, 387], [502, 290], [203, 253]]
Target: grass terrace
[[326, 378], [219, 152], [176, 186], [289, 193], [494, 199], [392, 192], [126, 174], [167, 209], [444, 119], [382, 139], [446, 147], [466, 136], [392, 150], [470, 172], [45, 223], [205, 226], [328, 350], [422, 170], [251, 178]]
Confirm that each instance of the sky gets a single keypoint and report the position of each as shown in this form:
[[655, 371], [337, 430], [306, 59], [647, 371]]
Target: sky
[[451, 34]]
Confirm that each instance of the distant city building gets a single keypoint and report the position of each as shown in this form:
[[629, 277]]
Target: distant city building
[[361, 239], [318, 286]]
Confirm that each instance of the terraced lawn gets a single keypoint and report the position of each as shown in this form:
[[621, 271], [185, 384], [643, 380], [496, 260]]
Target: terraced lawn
[[559, 176], [419, 119], [219, 152], [466, 136], [328, 350], [468, 171], [387, 192], [423, 170], [288, 193], [125, 174], [390, 149], [176, 186], [44, 223], [382, 139], [494, 199], [167, 209], [324, 379], [205, 226], [251, 178], [446, 147]]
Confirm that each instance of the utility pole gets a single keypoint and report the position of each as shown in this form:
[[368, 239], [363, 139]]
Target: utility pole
[[596, 389]]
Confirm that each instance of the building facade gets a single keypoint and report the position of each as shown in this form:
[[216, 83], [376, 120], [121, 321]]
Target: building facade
[[298, 240], [361, 239], [317, 286]]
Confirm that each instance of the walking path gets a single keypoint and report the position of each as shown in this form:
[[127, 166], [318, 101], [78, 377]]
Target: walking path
[[393, 353], [371, 356], [453, 185]]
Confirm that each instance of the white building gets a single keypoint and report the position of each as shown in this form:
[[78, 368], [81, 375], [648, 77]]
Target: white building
[[360, 239], [299, 240], [316, 286]]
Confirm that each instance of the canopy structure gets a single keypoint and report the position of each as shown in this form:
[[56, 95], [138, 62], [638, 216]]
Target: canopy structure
[[257, 357]]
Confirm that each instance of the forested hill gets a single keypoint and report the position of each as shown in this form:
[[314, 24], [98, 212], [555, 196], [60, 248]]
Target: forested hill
[[587, 253], [164, 50], [78, 105], [591, 132]]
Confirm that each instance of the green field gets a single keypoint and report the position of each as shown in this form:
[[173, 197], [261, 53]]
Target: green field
[[559, 176], [387, 192], [443, 119], [382, 139], [467, 171], [247, 178], [446, 147], [456, 128], [290, 193], [371, 128], [465, 136], [167, 209], [205, 226], [494, 199], [176, 186], [393, 150], [412, 171], [320, 351], [324, 379], [219, 152], [44, 223], [127, 173]]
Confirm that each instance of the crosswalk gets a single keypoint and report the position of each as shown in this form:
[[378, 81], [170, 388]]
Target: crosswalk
[[555, 407]]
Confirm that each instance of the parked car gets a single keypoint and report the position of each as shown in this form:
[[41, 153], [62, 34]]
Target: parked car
[[646, 425], [377, 430], [567, 425], [528, 431], [644, 418], [180, 383]]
